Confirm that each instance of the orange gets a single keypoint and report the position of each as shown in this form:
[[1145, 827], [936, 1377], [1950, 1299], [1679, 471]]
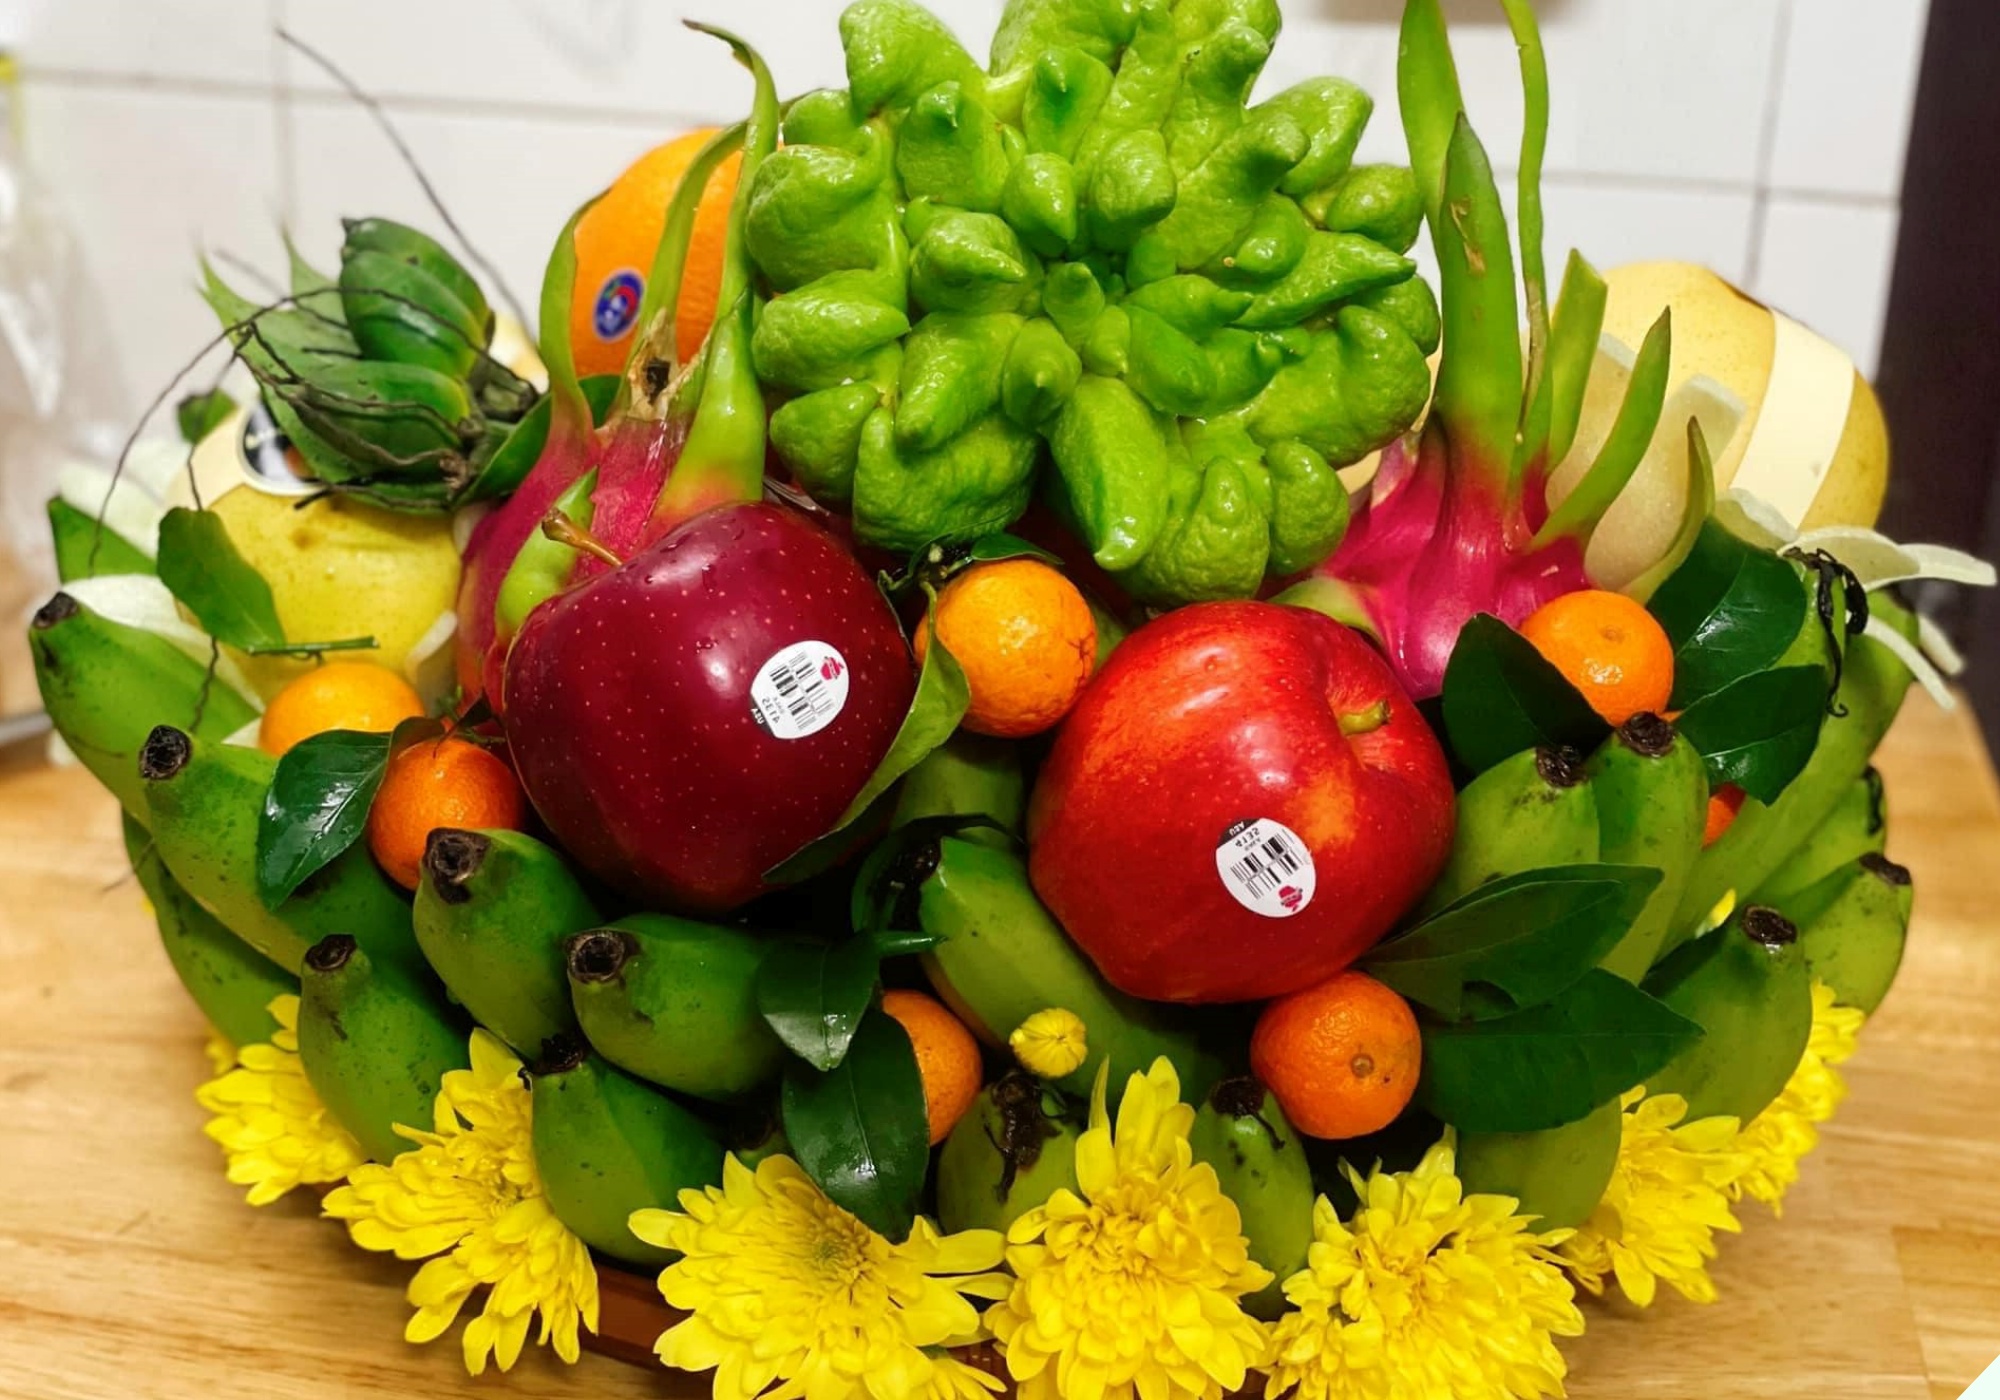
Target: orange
[[1025, 638], [615, 241], [442, 782], [1608, 647], [947, 1057], [1723, 805], [1341, 1057], [338, 695]]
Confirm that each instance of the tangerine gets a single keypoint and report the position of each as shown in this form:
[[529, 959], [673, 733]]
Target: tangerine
[[1341, 1056], [338, 695], [947, 1057], [1609, 648], [444, 783], [1025, 638], [1723, 805]]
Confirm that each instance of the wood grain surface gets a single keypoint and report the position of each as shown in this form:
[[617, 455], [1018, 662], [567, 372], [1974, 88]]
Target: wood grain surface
[[130, 1268]]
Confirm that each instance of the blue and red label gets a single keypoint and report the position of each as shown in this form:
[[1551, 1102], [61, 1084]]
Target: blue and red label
[[617, 304]]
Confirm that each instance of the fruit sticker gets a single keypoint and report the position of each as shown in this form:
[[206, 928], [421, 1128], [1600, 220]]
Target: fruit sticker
[[617, 305], [799, 691], [1266, 868]]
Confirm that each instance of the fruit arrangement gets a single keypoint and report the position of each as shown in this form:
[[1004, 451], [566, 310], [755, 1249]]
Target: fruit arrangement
[[934, 818]]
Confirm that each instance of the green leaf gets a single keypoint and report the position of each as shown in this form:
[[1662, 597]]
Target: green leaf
[[859, 1130], [198, 415], [1730, 610], [814, 993], [1501, 696], [1759, 732], [1516, 942], [1551, 1064], [894, 867], [939, 704], [511, 462], [991, 548], [85, 549], [200, 566], [317, 807]]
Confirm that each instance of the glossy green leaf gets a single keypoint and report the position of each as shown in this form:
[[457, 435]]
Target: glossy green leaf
[[1516, 942], [198, 415], [1501, 696], [992, 548], [85, 549], [1551, 1064], [202, 569], [317, 807], [1759, 732], [859, 1129], [813, 994], [1730, 610], [511, 462]]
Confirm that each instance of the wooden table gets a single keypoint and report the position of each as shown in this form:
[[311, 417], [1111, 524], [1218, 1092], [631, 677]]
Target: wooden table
[[129, 1267]]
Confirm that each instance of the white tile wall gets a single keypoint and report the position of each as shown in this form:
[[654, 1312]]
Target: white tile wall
[[1763, 137]]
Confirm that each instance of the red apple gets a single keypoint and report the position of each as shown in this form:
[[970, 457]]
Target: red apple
[[689, 719], [1242, 802]]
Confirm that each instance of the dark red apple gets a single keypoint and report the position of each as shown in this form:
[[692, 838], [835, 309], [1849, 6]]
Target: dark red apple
[[1242, 802], [686, 721]]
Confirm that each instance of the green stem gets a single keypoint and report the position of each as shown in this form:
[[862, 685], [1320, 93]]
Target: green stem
[[723, 458], [571, 411], [1534, 274]]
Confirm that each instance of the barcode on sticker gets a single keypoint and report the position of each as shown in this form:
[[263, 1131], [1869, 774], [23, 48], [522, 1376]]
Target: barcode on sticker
[[1266, 868], [800, 690]]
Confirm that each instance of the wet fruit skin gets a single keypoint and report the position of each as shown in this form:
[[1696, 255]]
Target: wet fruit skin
[[629, 714], [1214, 715]]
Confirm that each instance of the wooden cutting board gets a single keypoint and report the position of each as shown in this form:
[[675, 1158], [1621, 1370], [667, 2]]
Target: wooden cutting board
[[130, 1268]]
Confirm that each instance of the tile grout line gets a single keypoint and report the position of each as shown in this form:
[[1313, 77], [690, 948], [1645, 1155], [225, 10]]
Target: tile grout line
[[1767, 146]]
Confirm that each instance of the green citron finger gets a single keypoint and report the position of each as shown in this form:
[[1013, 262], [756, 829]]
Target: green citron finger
[[1241, 1132], [968, 775], [1747, 987], [952, 370], [1335, 267], [397, 311], [1558, 1175], [105, 686], [1040, 373], [492, 911], [818, 436], [675, 1002], [204, 799], [1002, 958], [375, 1043], [1651, 791], [1854, 942], [1857, 826], [1116, 455], [607, 1145], [1380, 201], [230, 981], [975, 484], [420, 250], [1528, 812], [1007, 1155]]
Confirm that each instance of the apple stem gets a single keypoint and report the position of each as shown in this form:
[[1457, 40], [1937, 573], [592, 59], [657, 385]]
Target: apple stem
[[559, 527], [1357, 722]]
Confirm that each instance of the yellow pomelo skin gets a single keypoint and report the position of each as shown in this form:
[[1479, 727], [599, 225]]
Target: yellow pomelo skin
[[338, 568]]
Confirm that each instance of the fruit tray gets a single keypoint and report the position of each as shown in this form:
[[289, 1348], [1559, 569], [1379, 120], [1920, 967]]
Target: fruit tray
[[1007, 756]]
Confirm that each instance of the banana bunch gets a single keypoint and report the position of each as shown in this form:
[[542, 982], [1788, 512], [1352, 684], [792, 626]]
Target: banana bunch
[[1198, 307], [380, 377]]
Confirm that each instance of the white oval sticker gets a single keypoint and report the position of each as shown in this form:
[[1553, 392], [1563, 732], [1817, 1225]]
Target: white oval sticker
[[800, 690], [1266, 868]]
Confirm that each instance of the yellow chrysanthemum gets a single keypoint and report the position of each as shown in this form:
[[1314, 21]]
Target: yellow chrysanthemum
[[1426, 1292], [1133, 1287], [468, 1194], [1775, 1140], [275, 1131], [1668, 1195], [1051, 1043], [221, 1053], [789, 1294]]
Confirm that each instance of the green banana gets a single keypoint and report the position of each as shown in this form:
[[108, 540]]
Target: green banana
[[1003, 957], [204, 799], [675, 1002], [491, 913], [375, 1044], [1241, 1132], [1530, 811], [1872, 686], [395, 416], [1854, 939], [420, 250], [1009, 1154], [230, 981], [607, 1145], [969, 775], [1746, 985], [397, 311], [1651, 788], [1558, 1175], [1858, 825], [105, 685]]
